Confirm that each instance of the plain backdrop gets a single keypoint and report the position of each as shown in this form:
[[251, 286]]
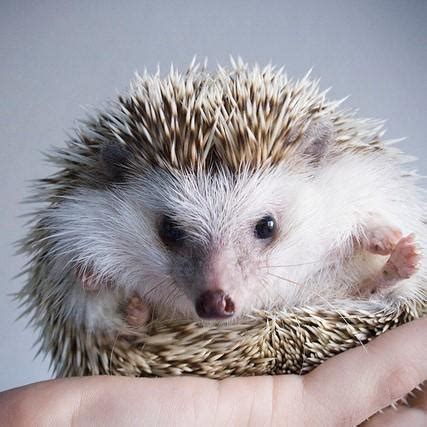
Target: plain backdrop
[[60, 58]]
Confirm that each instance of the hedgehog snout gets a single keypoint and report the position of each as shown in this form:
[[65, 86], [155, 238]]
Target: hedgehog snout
[[214, 304]]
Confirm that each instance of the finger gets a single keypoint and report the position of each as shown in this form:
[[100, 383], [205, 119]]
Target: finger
[[413, 415], [420, 399], [356, 384], [47, 403], [110, 401], [404, 416]]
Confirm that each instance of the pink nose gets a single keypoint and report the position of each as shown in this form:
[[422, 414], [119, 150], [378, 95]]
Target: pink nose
[[214, 305]]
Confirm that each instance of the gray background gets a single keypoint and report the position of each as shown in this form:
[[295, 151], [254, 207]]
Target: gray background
[[57, 57]]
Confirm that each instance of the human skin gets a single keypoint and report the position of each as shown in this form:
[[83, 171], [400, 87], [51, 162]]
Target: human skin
[[344, 391]]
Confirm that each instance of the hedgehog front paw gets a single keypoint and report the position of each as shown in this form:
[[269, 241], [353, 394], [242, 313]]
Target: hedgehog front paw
[[403, 262], [137, 312]]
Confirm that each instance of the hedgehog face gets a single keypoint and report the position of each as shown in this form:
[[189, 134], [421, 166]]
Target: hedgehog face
[[219, 231], [211, 245]]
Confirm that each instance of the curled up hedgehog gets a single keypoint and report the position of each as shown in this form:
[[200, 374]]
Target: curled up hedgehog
[[223, 223]]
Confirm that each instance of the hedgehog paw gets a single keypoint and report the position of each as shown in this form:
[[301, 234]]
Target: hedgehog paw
[[403, 262], [137, 312]]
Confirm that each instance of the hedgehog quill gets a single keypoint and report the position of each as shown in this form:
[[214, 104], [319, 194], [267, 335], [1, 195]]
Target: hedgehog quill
[[205, 196]]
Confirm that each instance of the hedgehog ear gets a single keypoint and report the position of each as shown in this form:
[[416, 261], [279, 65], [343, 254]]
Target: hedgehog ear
[[112, 160], [316, 141]]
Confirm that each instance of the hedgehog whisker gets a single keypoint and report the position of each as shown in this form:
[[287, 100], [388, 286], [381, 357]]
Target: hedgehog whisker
[[175, 293], [257, 294], [159, 284], [285, 279], [171, 294], [290, 265], [265, 285]]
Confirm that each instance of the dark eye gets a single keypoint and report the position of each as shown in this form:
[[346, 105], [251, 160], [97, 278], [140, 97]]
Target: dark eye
[[170, 232], [265, 227]]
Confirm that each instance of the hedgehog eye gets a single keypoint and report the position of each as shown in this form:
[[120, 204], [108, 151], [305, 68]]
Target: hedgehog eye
[[265, 227], [170, 232]]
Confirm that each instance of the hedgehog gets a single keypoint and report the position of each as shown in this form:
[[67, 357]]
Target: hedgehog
[[202, 198]]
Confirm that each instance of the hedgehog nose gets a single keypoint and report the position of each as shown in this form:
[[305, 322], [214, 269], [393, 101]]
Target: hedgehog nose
[[214, 305]]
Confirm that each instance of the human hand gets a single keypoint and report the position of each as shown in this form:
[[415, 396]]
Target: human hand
[[344, 391]]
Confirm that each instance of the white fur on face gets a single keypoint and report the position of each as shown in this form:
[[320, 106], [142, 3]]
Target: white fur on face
[[114, 232]]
